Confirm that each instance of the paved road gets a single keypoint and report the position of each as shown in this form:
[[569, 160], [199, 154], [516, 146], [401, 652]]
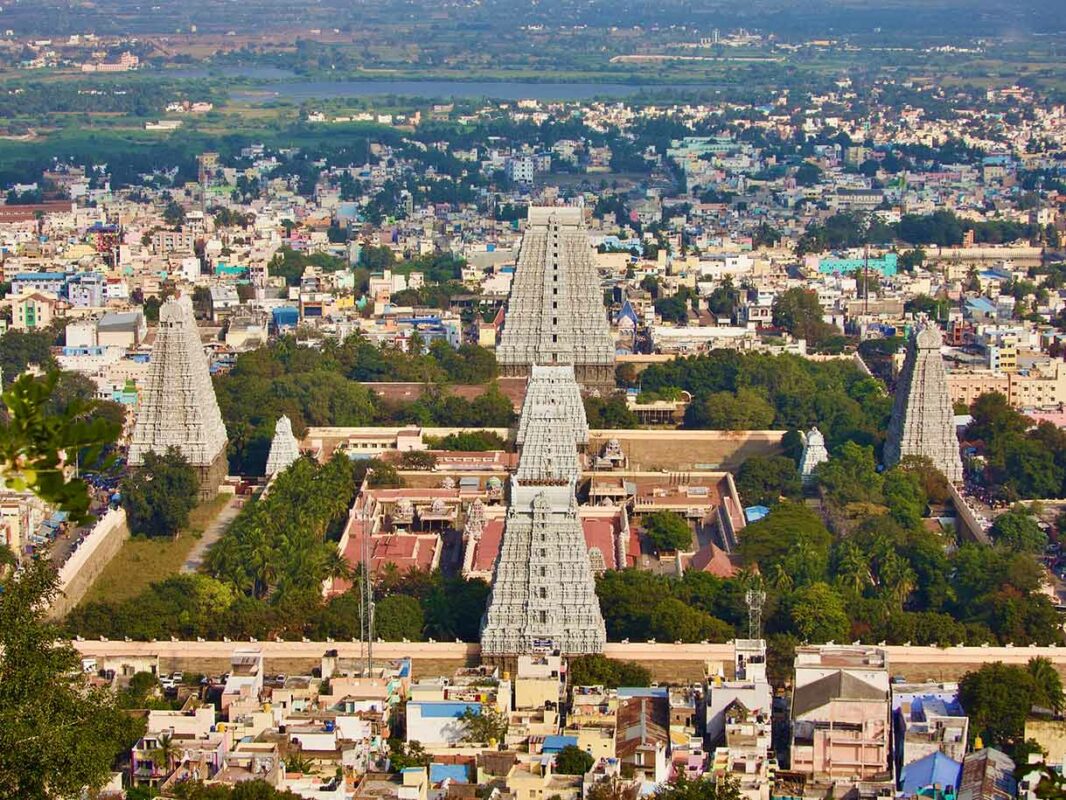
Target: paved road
[[211, 535]]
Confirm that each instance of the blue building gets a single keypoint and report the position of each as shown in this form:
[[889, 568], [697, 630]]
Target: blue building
[[887, 265], [50, 282]]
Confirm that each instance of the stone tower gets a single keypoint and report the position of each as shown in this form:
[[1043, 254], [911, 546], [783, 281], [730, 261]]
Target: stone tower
[[555, 312], [923, 420], [283, 449], [543, 591], [177, 405], [814, 453]]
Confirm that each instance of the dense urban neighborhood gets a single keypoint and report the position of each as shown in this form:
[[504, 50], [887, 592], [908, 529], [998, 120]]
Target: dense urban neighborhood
[[687, 420]]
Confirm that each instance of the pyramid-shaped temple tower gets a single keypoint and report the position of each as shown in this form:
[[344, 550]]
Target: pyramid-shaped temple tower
[[284, 448], [543, 591], [814, 453], [923, 420], [177, 405], [555, 312]]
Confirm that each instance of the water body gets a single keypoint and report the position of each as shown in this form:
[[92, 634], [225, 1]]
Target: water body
[[439, 89], [275, 83]]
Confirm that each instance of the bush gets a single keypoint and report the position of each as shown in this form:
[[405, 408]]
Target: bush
[[597, 670]]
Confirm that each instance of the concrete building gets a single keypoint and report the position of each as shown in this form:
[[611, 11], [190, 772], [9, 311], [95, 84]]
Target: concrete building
[[928, 718], [840, 719]]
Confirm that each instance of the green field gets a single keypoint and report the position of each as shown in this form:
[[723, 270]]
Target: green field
[[143, 561]]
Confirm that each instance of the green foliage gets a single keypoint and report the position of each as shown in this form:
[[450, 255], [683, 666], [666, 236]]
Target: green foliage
[[638, 605], [277, 545], [799, 312], [412, 755], [399, 617], [21, 349], [844, 403], [159, 495], [36, 439], [245, 790], [850, 476], [702, 788], [745, 410], [997, 697], [572, 760], [598, 670], [57, 735], [1022, 461], [764, 480], [667, 531], [469, 441], [1019, 531], [290, 264], [609, 412], [818, 614], [790, 543], [484, 725]]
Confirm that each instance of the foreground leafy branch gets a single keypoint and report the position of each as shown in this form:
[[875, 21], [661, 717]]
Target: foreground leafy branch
[[34, 443]]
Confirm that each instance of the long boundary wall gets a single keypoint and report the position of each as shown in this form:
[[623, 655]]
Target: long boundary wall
[[667, 662], [87, 562]]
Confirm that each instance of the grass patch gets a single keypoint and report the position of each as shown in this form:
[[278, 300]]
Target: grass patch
[[143, 561]]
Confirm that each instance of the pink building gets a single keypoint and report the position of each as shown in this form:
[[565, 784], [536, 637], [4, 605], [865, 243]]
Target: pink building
[[840, 714]]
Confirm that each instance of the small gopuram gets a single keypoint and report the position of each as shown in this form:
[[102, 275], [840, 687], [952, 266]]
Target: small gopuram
[[177, 405], [923, 420], [284, 449], [543, 592], [814, 453], [555, 312]]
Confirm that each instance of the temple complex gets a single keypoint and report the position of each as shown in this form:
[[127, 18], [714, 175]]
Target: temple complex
[[814, 453], [543, 592], [923, 420], [284, 448], [177, 405], [555, 312]]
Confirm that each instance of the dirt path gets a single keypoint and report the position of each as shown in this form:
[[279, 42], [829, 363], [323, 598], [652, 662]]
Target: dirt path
[[212, 534]]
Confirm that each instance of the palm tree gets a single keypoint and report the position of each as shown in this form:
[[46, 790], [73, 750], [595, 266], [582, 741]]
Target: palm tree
[[1048, 683], [163, 754], [853, 569]]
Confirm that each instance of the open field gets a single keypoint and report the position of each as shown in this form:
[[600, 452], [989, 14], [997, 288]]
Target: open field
[[143, 561]]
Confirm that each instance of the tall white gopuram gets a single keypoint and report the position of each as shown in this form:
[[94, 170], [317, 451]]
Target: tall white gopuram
[[543, 591], [555, 312], [923, 420], [814, 453], [284, 449], [177, 405]]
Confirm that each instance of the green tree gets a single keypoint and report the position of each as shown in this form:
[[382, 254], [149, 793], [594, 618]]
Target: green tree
[[745, 410], [818, 614], [704, 787], [572, 760], [1017, 530], [1047, 683], [997, 698], [808, 174], [764, 480], [484, 724], [159, 495], [799, 312], [598, 670], [676, 621], [791, 539], [850, 476], [667, 531], [57, 735], [398, 617]]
